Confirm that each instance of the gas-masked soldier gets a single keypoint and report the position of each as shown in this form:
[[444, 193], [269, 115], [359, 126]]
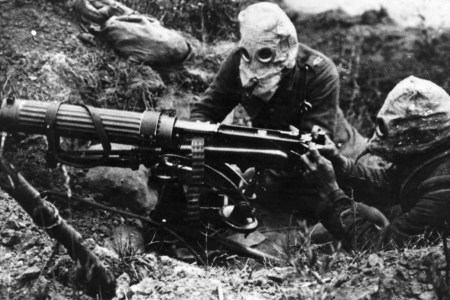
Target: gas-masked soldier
[[413, 134], [282, 84]]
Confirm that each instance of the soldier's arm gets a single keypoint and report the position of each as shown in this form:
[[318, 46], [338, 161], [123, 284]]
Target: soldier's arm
[[339, 216], [355, 224], [367, 182], [323, 94], [222, 95]]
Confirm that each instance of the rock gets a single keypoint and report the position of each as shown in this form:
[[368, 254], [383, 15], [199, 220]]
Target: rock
[[103, 252], [185, 270], [416, 288], [144, 288], [123, 290], [40, 289], [6, 256], [5, 286], [374, 260], [104, 229], [29, 243], [86, 38], [276, 278], [341, 279], [30, 273], [12, 240], [430, 295], [12, 224], [8, 232], [122, 187]]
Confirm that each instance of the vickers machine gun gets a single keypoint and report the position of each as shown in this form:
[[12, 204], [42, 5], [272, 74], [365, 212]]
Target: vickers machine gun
[[194, 159]]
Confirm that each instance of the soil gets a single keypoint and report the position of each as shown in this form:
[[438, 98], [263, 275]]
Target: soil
[[45, 55]]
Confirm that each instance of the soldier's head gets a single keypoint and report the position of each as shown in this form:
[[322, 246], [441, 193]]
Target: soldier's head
[[414, 119], [268, 46]]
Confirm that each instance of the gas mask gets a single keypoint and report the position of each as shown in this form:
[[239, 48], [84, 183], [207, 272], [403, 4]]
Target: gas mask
[[268, 48], [414, 119]]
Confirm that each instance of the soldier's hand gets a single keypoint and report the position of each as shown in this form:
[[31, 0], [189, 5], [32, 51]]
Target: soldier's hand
[[320, 169], [329, 149]]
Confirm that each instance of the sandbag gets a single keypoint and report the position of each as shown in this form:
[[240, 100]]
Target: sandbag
[[415, 118], [142, 39], [99, 11]]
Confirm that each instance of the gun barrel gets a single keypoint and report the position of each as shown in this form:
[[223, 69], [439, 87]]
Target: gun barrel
[[125, 127], [151, 129]]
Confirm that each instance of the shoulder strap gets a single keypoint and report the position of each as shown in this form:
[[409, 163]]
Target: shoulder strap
[[305, 106]]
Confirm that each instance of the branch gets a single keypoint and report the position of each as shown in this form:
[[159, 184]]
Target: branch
[[98, 280]]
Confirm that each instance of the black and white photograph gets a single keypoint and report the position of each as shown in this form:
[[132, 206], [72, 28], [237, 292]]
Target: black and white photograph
[[224, 149]]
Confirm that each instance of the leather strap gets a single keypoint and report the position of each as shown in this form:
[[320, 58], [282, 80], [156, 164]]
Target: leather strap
[[54, 150], [52, 139], [100, 130]]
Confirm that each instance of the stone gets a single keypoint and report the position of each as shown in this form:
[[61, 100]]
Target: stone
[[30, 273], [374, 260], [11, 240], [123, 290], [41, 289], [7, 256], [122, 187], [5, 286], [430, 295], [144, 288], [186, 270], [103, 252], [12, 224]]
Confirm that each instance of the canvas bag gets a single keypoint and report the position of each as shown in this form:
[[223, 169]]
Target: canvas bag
[[143, 39]]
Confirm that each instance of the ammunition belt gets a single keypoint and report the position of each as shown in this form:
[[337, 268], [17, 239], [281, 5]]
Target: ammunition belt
[[194, 188]]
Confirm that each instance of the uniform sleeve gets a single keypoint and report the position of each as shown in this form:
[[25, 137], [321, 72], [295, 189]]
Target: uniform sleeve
[[338, 215], [323, 94], [222, 95], [370, 184], [430, 211]]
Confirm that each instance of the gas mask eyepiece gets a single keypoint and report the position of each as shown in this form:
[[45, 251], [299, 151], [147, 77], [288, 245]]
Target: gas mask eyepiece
[[265, 55]]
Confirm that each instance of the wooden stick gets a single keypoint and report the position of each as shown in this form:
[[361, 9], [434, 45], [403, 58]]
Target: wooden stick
[[99, 282]]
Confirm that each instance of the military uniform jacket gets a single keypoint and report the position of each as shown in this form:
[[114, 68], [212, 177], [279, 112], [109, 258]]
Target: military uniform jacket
[[314, 78], [421, 186]]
